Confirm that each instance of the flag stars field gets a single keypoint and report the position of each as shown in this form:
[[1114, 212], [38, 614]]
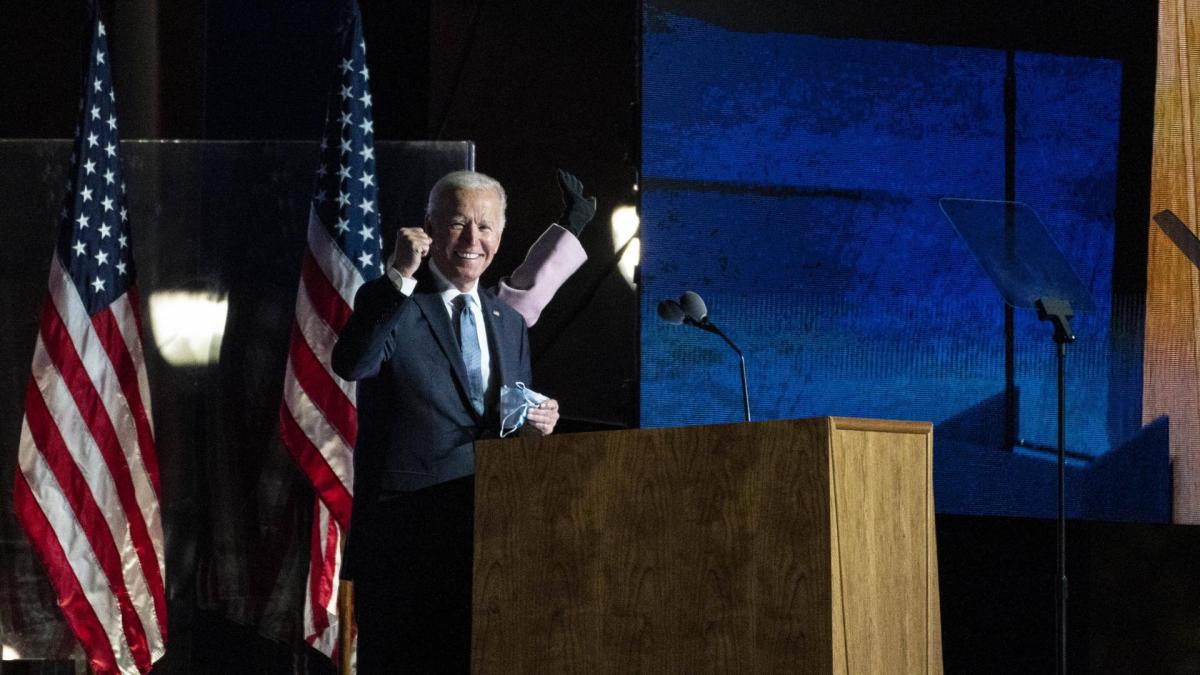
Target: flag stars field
[[94, 198]]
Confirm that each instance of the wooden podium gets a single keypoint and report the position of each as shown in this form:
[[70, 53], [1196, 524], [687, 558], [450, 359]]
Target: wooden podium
[[799, 546]]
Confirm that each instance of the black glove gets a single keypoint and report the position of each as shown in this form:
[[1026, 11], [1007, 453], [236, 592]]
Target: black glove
[[577, 211]]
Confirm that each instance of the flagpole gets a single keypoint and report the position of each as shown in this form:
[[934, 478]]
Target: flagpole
[[346, 627]]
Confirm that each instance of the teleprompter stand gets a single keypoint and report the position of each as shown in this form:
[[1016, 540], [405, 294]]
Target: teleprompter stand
[[1030, 272]]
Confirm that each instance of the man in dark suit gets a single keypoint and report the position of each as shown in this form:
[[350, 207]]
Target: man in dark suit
[[430, 352]]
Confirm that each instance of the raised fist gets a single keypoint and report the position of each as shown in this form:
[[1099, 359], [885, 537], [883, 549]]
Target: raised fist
[[412, 244]]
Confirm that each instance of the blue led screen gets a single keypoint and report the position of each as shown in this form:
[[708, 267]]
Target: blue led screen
[[793, 181]]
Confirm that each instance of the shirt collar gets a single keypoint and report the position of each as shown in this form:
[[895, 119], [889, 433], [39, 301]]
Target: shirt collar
[[448, 291]]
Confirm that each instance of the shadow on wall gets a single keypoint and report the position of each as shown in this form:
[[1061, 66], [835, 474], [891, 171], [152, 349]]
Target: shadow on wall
[[973, 472]]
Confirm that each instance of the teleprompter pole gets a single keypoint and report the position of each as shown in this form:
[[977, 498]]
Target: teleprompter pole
[[1058, 313]]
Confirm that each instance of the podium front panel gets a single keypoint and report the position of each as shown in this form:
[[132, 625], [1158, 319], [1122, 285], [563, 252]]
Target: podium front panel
[[698, 550]]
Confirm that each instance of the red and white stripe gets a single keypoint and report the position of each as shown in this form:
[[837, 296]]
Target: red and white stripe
[[320, 600], [88, 489], [319, 421]]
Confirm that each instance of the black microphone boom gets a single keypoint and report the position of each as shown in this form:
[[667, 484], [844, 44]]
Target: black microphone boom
[[691, 310]]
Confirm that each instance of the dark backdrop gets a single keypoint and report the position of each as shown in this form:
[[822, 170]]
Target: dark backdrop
[[536, 85]]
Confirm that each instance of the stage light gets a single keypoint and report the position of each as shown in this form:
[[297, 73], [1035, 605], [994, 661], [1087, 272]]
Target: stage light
[[624, 229], [9, 653], [188, 326]]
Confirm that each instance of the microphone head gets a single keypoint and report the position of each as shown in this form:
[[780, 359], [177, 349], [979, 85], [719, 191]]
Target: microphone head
[[693, 307], [670, 311]]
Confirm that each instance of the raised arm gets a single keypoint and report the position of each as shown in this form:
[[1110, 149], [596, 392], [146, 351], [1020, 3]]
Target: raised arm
[[554, 257], [365, 341], [551, 260]]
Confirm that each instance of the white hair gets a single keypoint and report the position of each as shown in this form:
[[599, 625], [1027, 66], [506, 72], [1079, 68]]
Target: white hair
[[465, 180]]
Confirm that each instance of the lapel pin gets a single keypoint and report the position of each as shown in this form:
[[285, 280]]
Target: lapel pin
[[495, 312]]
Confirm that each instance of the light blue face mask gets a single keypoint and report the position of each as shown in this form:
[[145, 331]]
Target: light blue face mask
[[515, 403]]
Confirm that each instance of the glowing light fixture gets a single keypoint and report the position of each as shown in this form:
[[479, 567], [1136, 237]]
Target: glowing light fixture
[[624, 229], [188, 326]]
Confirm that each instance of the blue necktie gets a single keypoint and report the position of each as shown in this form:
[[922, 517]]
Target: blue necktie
[[468, 342]]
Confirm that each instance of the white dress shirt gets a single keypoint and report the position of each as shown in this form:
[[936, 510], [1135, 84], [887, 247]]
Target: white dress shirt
[[407, 285]]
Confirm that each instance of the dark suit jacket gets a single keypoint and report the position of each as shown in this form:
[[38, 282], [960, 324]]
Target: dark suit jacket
[[416, 426]]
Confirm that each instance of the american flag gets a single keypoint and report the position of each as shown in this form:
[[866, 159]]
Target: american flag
[[318, 419], [87, 493]]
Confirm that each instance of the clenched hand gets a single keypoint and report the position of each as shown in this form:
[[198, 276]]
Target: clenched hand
[[412, 244]]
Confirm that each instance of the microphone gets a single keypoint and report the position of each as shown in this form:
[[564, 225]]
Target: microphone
[[671, 312], [693, 307], [690, 309]]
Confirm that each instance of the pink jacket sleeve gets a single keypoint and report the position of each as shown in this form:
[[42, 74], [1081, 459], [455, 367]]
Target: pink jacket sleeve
[[551, 260]]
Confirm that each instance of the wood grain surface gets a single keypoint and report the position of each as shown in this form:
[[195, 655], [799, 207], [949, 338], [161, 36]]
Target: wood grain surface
[[692, 550], [1171, 360], [882, 535]]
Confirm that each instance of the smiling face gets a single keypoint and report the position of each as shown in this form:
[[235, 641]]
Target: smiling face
[[465, 226]]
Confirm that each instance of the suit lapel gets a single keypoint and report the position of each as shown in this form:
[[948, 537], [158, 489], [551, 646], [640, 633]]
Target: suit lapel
[[439, 322], [497, 330]]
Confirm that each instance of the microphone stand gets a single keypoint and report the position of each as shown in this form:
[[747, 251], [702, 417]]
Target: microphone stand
[[706, 325]]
